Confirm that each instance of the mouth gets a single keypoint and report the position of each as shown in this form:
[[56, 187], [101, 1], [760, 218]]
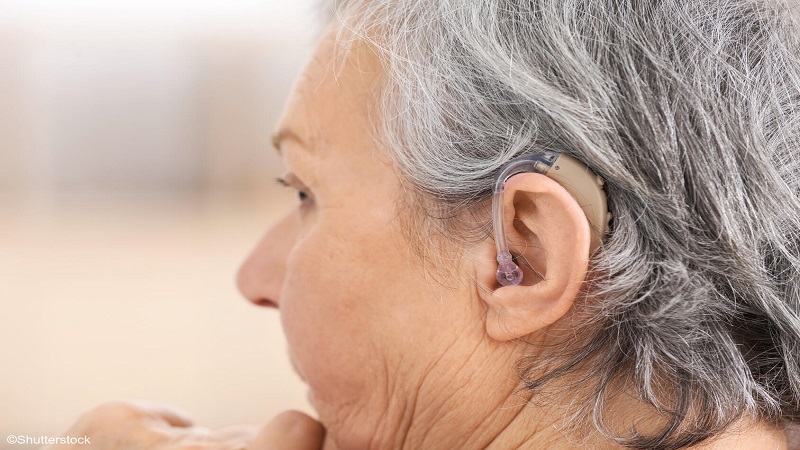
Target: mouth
[[310, 398], [309, 392], [296, 367]]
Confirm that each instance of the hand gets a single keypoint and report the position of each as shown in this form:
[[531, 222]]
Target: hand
[[290, 430], [134, 425]]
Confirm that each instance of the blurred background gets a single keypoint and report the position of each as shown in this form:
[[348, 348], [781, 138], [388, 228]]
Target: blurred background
[[135, 175]]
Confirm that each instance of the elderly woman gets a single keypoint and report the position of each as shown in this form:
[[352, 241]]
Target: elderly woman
[[420, 322]]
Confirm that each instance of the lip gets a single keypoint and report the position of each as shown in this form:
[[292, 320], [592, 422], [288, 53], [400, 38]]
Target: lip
[[296, 367], [310, 398]]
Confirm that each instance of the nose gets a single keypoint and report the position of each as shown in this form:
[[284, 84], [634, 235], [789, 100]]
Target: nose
[[260, 276]]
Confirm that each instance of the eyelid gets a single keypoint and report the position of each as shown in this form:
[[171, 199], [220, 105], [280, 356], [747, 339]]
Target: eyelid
[[291, 181]]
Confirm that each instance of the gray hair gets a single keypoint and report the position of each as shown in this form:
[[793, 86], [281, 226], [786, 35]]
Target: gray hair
[[690, 110]]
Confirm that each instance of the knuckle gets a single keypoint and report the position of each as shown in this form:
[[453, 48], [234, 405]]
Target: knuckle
[[298, 423], [110, 413]]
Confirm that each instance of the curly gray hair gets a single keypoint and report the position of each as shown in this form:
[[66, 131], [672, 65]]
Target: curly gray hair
[[690, 110]]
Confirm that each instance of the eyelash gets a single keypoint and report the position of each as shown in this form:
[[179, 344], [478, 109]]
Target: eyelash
[[302, 195]]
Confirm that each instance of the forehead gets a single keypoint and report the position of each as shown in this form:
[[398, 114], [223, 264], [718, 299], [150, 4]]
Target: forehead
[[333, 96]]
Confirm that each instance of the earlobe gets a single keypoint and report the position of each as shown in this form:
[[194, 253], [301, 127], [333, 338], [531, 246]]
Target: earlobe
[[547, 227]]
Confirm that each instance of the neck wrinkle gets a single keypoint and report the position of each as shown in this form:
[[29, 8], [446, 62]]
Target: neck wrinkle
[[527, 429], [511, 423]]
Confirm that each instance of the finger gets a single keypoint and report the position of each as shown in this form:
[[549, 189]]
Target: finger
[[233, 437], [247, 432], [290, 430], [169, 414]]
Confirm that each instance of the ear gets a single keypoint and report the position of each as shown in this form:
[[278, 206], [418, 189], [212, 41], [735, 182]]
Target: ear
[[549, 235]]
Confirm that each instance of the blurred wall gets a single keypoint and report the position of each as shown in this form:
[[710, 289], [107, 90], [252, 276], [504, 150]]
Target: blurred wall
[[163, 101], [135, 175]]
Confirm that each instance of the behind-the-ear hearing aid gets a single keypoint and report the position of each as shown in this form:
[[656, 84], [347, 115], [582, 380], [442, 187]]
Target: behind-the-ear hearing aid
[[583, 184]]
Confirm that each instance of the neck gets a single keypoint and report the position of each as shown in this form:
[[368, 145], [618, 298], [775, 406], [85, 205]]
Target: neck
[[480, 407], [525, 432], [530, 427], [516, 422]]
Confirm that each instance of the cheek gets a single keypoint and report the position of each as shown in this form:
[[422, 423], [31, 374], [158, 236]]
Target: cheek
[[329, 302], [354, 304]]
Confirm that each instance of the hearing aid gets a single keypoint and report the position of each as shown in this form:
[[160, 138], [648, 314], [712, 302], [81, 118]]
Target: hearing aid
[[584, 185]]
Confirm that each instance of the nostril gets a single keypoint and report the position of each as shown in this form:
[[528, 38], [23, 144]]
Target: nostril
[[265, 303], [256, 290]]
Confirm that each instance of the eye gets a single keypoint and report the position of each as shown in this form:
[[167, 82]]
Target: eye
[[291, 181]]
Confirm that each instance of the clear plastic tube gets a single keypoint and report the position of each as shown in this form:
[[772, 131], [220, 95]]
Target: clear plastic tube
[[508, 273]]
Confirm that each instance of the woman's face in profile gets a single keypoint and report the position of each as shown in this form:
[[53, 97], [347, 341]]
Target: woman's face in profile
[[363, 322]]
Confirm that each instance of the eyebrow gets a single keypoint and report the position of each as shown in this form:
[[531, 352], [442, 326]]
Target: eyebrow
[[284, 134]]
